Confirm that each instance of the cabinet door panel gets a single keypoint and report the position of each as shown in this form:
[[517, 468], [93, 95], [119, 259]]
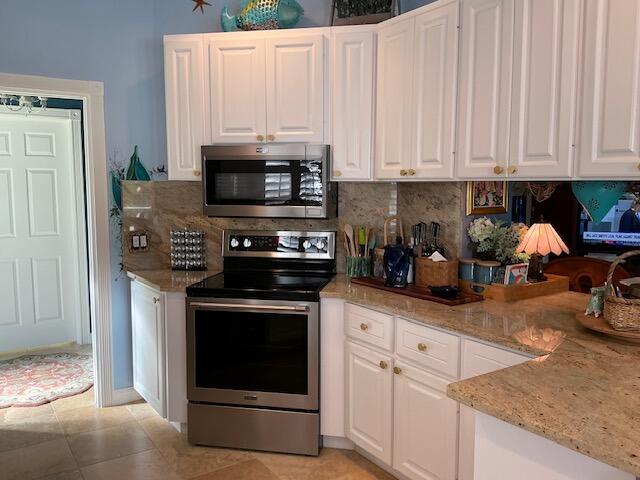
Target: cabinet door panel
[[425, 426], [436, 64], [484, 87], [237, 90], [610, 131], [544, 92], [352, 94], [185, 108], [478, 359], [147, 328], [295, 88], [394, 105], [369, 400]]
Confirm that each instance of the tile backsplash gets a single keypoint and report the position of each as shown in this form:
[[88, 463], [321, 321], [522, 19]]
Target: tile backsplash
[[159, 207]]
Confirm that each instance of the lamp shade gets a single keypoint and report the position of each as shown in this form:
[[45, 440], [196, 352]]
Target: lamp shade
[[542, 239]]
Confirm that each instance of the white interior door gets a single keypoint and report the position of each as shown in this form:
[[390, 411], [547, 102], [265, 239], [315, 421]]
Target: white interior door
[[40, 253]]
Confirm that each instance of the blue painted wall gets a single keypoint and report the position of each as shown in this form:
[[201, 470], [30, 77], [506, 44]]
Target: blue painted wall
[[118, 42]]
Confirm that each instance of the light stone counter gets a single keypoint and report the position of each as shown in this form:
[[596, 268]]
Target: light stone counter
[[583, 392], [166, 280]]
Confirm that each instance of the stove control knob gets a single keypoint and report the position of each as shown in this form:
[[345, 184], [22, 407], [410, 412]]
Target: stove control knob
[[246, 243], [306, 244], [234, 243], [320, 245]]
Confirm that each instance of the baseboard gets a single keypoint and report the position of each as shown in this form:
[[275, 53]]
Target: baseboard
[[387, 468], [124, 395], [341, 443]]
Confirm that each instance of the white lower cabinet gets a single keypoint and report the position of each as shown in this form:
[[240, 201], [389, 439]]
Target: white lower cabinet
[[425, 425], [159, 339], [369, 400]]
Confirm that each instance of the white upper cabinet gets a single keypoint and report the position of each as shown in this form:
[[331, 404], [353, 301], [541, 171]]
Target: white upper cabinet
[[434, 91], [352, 65], [394, 104], [237, 89], [186, 110], [609, 144], [484, 91], [543, 111], [295, 88]]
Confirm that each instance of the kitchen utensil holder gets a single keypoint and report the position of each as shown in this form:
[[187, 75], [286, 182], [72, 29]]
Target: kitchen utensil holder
[[358, 267], [188, 250]]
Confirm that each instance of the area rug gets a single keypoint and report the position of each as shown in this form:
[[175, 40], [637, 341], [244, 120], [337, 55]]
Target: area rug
[[32, 380]]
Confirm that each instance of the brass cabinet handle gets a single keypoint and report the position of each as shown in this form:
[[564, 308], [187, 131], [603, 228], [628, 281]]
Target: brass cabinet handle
[[197, 173], [337, 173], [383, 364], [397, 370], [498, 170], [512, 170], [364, 327], [422, 347], [156, 300], [403, 173], [271, 138], [260, 138], [412, 171]]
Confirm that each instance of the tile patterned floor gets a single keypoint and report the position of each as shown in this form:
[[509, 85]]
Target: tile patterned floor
[[70, 439]]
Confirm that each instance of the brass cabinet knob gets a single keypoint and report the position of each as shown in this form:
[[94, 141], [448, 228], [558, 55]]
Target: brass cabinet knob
[[397, 370], [337, 173], [639, 166], [498, 170], [412, 171], [197, 173], [422, 347], [156, 300], [364, 327], [403, 173], [271, 138], [260, 138], [383, 364], [512, 170]]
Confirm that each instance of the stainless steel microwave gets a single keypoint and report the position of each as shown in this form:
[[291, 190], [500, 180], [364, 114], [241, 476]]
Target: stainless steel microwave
[[268, 181]]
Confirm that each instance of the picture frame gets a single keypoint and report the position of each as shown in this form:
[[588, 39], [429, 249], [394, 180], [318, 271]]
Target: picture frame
[[516, 274], [487, 197]]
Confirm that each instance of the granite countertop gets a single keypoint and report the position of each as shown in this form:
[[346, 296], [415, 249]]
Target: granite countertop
[[582, 391], [169, 280]]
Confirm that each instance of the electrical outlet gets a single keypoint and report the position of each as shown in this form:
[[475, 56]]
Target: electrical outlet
[[137, 241]]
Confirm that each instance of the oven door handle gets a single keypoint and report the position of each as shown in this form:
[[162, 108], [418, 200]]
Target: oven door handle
[[245, 307]]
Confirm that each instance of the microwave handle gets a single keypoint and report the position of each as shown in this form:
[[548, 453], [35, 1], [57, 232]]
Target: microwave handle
[[245, 307]]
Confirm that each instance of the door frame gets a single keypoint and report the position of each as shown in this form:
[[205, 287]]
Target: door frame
[[97, 210]]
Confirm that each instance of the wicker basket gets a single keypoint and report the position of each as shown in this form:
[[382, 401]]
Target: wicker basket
[[623, 314], [436, 274]]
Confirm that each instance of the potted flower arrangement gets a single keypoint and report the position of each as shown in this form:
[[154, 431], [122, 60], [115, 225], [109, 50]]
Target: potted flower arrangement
[[355, 12], [497, 240]]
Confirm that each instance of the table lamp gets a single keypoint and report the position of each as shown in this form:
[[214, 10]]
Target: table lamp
[[540, 241]]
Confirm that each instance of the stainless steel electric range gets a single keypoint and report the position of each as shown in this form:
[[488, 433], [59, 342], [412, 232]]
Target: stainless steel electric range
[[253, 343]]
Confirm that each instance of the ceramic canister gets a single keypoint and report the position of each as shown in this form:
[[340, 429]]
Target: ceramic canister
[[466, 269], [485, 271]]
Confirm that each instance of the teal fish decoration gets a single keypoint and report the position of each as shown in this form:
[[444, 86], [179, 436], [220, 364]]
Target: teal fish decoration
[[263, 15]]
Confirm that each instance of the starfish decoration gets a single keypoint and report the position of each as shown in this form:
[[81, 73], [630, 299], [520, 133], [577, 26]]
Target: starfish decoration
[[200, 5]]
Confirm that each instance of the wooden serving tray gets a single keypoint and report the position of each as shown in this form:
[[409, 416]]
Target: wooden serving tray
[[418, 292], [512, 293], [599, 324]]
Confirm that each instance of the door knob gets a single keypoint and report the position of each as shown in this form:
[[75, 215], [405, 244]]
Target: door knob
[[271, 138], [512, 170], [337, 173], [498, 170], [364, 327], [260, 138], [383, 364], [196, 173], [403, 173], [156, 300], [397, 370], [412, 172], [639, 166], [422, 347]]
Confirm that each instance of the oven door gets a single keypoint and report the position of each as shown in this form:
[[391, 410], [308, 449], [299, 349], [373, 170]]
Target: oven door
[[265, 181], [253, 352]]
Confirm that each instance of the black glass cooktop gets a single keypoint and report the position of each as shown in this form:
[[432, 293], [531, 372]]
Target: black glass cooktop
[[262, 285]]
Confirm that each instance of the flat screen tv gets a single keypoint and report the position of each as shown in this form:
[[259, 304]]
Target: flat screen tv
[[619, 230]]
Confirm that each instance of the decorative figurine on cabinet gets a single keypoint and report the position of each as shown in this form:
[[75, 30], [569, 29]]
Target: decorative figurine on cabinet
[[263, 15]]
